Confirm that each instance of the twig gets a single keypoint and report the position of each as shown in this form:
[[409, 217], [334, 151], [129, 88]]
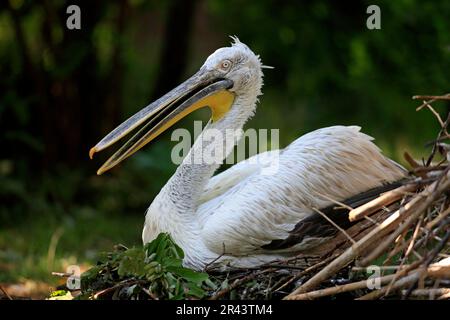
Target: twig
[[334, 224], [441, 132], [429, 292], [402, 272], [421, 170], [399, 284], [340, 289], [383, 200], [116, 286], [444, 296], [6, 293], [237, 283], [434, 98], [304, 272], [430, 225], [387, 242], [413, 163], [215, 260], [283, 266], [435, 114], [371, 220], [414, 237], [341, 204], [381, 268], [432, 256]]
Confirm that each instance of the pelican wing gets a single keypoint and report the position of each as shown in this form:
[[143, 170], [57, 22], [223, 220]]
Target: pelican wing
[[256, 210], [316, 226]]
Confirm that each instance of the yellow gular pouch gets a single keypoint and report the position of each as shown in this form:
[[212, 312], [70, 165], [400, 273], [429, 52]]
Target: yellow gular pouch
[[219, 103]]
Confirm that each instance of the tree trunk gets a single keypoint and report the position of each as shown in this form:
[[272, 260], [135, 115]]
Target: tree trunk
[[174, 52]]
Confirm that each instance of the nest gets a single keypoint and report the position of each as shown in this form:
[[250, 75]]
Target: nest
[[396, 248]]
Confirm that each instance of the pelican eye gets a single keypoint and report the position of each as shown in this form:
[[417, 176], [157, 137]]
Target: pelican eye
[[225, 65]]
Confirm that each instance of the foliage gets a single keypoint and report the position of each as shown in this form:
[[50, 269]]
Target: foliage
[[154, 271], [60, 295]]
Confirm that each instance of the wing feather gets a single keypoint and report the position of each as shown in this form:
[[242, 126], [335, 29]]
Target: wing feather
[[252, 209]]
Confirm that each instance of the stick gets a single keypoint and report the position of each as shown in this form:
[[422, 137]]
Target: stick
[[416, 245], [414, 237], [429, 292], [387, 242], [441, 132], [431, 257], [6, 293], [334, 224], [237, 283], [340, 289], [343, 205], [413, 163], [302, 273], [383, 200], [438, 219], [402, 272], [438, 117], [444, 297], [116, 286], [215, 260], [443, 97], [381, 268]]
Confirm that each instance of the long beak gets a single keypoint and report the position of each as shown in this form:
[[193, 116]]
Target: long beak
[[201, 90]]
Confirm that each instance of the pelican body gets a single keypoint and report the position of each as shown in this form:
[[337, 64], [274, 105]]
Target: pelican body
[[243, 217]]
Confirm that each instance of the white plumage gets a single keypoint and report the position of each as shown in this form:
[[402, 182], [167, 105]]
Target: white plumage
[[237, 212]]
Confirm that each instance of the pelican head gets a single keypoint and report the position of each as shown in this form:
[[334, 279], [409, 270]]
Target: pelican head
[[228, 73]]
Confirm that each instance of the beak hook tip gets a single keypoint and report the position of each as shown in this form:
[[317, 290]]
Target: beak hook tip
[[92, 152]]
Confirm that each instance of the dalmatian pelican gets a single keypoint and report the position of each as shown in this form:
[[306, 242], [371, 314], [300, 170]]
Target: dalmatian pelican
[[244, 217]]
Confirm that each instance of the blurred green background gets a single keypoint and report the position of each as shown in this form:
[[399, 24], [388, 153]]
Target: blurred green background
[[62, 90]]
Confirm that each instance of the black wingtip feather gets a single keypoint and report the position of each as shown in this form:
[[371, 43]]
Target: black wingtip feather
[[316, 226]]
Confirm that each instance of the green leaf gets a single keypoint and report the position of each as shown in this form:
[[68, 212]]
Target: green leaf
[[58, 293], [195, 291], [132, 263], [159, 265], [188, 274], [172, 262]]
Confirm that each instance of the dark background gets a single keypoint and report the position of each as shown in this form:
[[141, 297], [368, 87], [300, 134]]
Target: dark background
[[62, 90]]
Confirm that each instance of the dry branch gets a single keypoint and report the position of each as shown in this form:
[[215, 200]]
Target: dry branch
[[380, 202]]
